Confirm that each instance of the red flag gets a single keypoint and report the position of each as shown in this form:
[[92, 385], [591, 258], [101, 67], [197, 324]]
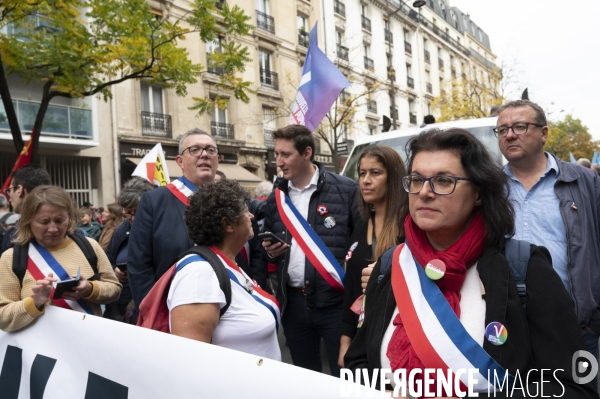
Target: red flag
[[24, 159]]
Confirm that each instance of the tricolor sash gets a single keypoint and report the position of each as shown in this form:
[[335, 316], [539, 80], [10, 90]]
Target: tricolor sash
[[240, 278], [182, 188], [435, 332], [40, 263], [313, 247]]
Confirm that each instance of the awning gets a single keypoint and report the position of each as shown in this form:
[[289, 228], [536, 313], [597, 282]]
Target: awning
[[236, 172], [172, 167]]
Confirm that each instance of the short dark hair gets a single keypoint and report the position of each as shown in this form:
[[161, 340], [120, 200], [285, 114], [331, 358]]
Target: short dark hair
[[300, 135], [429, 119], [209, 205], [132, 191], [85, 210], [482, 168], [30, 176], [540, 115]]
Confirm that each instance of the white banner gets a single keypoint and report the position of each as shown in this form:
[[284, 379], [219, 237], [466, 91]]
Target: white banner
[[66, 354]]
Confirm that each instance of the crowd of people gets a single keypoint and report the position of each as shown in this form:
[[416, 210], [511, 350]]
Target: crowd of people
[[448, 252]]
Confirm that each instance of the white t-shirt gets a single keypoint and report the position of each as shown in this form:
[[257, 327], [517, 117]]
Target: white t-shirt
[[472, 316], [246, 326]]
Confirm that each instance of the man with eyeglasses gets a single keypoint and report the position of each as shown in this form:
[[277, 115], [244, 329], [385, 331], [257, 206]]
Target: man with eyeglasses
[[24, 180], [159, 235], [556, 205]]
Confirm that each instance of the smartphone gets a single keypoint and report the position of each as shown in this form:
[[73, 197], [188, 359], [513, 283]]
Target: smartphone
[[270, 237], [122, 266], [64, 286]]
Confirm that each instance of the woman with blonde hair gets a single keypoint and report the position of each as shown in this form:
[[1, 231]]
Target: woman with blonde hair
[[53, 251], [112, 216], [382, 202]]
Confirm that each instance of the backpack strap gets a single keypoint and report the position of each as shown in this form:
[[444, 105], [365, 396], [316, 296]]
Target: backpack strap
[[517, 253], [21, 255], [88, 251], [3, 220], [217, 265]]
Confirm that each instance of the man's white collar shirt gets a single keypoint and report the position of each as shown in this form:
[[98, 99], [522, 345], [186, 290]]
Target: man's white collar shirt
[[300, 197]]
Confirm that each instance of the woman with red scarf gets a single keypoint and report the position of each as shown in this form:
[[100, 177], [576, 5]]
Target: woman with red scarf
[[445, 298]]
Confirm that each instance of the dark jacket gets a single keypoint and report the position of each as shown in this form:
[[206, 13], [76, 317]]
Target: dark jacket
[[545, 335], [119, 240], [339, 194], [158, 237], [579, 186], [254, 267]]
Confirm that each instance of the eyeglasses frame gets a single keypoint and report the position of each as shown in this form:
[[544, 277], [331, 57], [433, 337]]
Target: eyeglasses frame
[[509, 128], [202, 151], [429, 179]]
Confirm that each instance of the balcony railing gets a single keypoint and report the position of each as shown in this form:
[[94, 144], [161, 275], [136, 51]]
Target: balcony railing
[[269, 79], [428, 87], [372, 106], [389, 36], [339, 8], [427, 57], [366, 23], [303, 38], [369, 64], [453, 72], [60, 120], [156, 125], [407, 47], [342, 52], [211, 68], [410, 82], [441, 64], [222, 130], [391, 73], [265, 22], [269, 142], [413, 118]]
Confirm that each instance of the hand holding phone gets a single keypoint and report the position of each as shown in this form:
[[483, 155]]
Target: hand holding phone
[[274, 245], [270, 237]]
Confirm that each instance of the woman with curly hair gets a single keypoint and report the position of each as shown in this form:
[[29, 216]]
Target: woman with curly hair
[[218, 218]]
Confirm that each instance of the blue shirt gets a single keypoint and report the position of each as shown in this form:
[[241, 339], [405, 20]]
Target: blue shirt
[[537, 216]]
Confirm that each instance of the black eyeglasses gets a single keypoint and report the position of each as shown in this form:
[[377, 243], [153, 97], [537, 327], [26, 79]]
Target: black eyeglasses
[[9, 189], [440, 184], [518, 128], [196, 151]]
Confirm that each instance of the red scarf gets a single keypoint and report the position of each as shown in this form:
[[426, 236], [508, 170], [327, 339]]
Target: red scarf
[[464, 252]]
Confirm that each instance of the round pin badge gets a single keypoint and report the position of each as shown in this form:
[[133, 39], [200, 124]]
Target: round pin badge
[[435, 269], [329, 222], [322, 210], [249, 286], [496, 333]]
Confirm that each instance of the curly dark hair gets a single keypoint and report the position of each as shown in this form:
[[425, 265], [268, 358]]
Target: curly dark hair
[[209, 205], [482, 168]]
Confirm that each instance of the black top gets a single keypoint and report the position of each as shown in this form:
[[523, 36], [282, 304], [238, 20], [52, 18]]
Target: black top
[[360, 258]]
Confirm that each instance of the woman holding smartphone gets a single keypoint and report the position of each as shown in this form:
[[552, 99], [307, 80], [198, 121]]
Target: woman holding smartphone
[[382, 201]]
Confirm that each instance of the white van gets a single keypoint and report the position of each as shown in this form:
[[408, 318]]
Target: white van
[[397, 139]]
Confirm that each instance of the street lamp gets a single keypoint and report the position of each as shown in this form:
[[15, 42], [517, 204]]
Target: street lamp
[[391, 71]]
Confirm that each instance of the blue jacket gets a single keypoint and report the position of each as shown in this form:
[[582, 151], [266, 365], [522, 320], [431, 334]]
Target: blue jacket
[[157, 238], [340, 195], [578, 190]]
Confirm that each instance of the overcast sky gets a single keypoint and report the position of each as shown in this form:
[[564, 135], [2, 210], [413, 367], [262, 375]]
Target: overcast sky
[[556, 46]]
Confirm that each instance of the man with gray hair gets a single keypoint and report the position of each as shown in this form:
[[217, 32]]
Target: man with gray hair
[[159, 234], [7, 218], [557, 205]]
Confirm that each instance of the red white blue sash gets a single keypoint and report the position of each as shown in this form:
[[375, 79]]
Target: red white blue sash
[[435, 332], [313, 247], [240, 278], [41, 263], [182, 188]]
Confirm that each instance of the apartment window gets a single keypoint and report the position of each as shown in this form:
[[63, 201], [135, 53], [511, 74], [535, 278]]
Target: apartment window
[[368, 60], [365, 21], [263, 20], [303, 35], [269, 126], [406, 36], [454, 19], [339, 37], [154, 120], [301, 20], [268, 78], [262, 6], [412, 115], [152, 98], [218, 124], [443, 8], [372, 130]]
